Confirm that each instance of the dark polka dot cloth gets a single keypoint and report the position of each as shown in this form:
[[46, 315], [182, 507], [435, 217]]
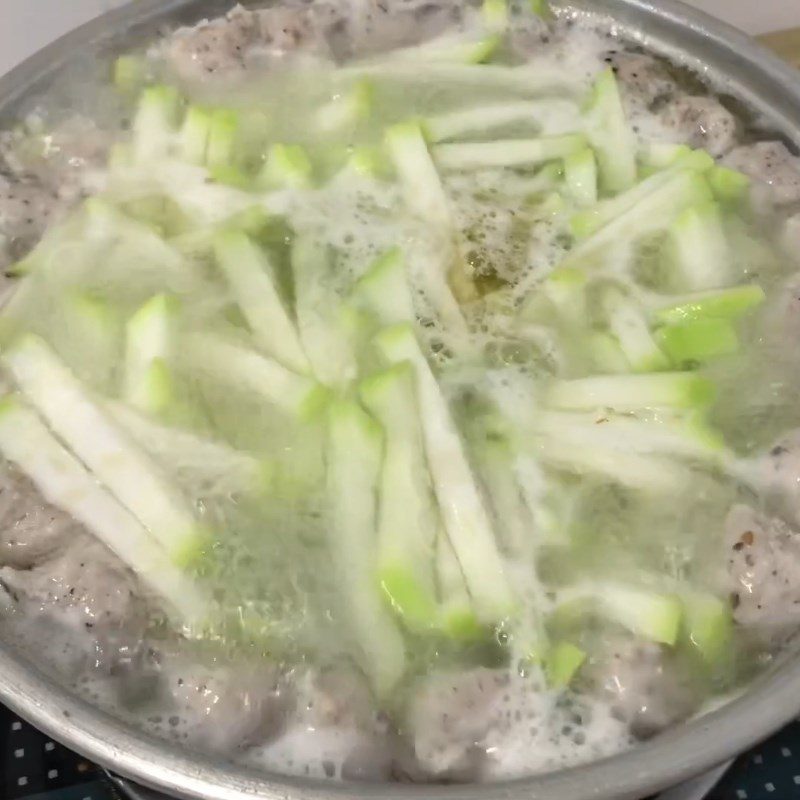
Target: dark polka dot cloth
[[770, 771], [36, 768]]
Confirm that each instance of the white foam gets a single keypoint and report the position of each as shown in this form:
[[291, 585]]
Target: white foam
[[540, 731]]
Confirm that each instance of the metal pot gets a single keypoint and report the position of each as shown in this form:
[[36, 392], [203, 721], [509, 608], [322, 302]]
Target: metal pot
[[741, 68]]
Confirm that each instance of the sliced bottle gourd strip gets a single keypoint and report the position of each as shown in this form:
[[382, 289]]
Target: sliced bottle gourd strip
[[632, 392], [515, 525], [92, 338], [16, 305], [442, 276], [642, 456], [646, 612], [528, 114], [727, 304], [126, 257], [250, 275], [628, 324], [610, 135], [211, 464], [708, 624], [536, 489], [99, 235], [427, 200], [322, 330], [495, 15], [193, 136], [464, 514], [495, 460], [697, 255], [529, 480], [580, 176], [456, 614], [422, 187], [155, 123], [674, 437], [568, 447], [541, 8], [241, 368], [699, 340], [606, 354], [448, 48], [569, 453], [150, 338], [198, 242], [383, 289], [654, 213], [222, 138], [130, 72], [355, 445], [525, 81], [130, 475], [519, 187], [729, 185], [48, 251], [66, 483], [590, 220], [201, 201], [366, 162], [407, 517], [346, 110], [655, 155], [506, 153], [287, 166], [562, 663]]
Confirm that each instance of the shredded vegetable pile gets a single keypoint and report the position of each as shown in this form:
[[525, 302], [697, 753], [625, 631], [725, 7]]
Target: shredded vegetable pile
[[406, 361]]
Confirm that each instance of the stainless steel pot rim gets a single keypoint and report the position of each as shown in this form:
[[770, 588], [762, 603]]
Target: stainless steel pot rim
[[680, 753]]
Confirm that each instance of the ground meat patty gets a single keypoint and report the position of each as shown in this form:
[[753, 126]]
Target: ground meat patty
[[373, 760], [339, 696], [701, 122], [224, 47], [85, 583], [26, 209], [648, 87], [224, 706], [763, 567], [777, 472], [648, 688], [85, 576], [213, 48], [770, 164], [450, 715], [645, 81], [377, 27], [42, 176], [30, 530], [58, 154], [282, 30], [782, 325], [791, 238]]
